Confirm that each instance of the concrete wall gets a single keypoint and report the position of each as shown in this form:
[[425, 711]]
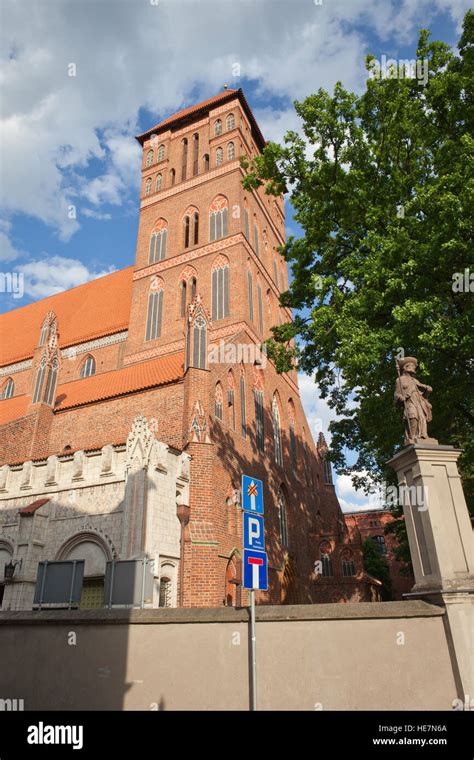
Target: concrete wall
[[329, 657]]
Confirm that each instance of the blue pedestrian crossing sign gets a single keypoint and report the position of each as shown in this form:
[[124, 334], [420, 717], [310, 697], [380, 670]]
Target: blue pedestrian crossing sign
[[254, 531], [252, 494], [255, 570]]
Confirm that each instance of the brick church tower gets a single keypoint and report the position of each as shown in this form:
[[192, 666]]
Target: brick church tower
[[167, 383]]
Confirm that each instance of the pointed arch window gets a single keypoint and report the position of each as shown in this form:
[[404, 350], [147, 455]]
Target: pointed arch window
[[218, 127], [191, 227], [243, 415], [88, 368], [250, 294], [148, 186], [259, 420], [186, 231], [219, 156], [8, 389], [230, 151], [158, 241], [291, 417], [246, 224], [326, 559], [255, 238], [275, 272], [220, 289], [40, 373], [184, 162], [159, 182], [149, 158], [277, 432], [231, 398], [218, 218], [260, 307], [155, 313], [283, 517], [206, 162], [199, 342], [230, 121], [195, 154], [51, 382], [193, 288], [161, 153], [44, 333], [218, 402], [172, 177], [183, 298], [348, 565]]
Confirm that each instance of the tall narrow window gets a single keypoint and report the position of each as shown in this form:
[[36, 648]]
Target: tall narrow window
[[260, 308], [326, 561], [255, 238], [40, 373], [195, 154], [277, 432], [158, 240], [196, 227], [230, 121], [44, 333], [218, 127], [155, 313], [88, 367], [50, 389], [230, 151], [199, 343], [293, 445], [259, 420], [186, 231], [219, 156], [159, 181], [172, 177], [184, 162], [275, 272], [348, 565], [218, 402], [246, 224], [149, 158], [161, 153], [327, 472], [193, 288], [183, 298], [282, 514], [165, 592], [148, 186], [218, 218], [220, 290], [8, 389], [250, 294], [282, 281], [206, 162], [231, 399], [243, 420]]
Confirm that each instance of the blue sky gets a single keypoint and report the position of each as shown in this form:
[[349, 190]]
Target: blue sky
[[69, 140]]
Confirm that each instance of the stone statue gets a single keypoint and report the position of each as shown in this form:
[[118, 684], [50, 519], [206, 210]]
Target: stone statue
[[412, 396]]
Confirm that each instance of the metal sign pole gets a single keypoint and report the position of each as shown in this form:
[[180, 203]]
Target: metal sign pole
[[253, 650]]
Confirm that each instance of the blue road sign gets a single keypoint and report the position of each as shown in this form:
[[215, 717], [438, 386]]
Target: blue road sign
[[254, 531], [252, 494], [255, 570]]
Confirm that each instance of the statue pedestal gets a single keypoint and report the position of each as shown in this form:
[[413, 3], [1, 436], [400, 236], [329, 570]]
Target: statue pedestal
[[441, 543]]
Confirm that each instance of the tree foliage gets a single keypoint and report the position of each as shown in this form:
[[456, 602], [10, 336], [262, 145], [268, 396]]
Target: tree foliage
[[382, 187], [377, 566]]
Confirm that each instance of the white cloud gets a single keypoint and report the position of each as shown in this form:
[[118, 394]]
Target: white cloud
[[8, 251], [355, 500], [318, 413], [51, 275], [133, 55]]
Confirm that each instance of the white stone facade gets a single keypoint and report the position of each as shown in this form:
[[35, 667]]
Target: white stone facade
[[118, 502]]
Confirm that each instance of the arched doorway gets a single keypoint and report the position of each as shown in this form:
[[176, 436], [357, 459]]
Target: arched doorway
[[95, 553], [233, 581]]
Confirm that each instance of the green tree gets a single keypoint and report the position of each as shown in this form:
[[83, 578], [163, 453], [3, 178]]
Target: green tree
[[382, 187], [377, 566]]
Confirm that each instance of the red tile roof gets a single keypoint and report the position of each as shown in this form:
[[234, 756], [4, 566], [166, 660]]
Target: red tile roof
[[137, 377], [31, 508], [99, 307], [13, 408], [204, 106]]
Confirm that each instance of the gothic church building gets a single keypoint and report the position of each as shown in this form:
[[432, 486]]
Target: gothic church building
[[131, 405]]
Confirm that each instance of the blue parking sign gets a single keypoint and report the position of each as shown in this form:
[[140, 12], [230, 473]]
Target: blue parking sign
[[254, 531], [255, 570], [252, 494]]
